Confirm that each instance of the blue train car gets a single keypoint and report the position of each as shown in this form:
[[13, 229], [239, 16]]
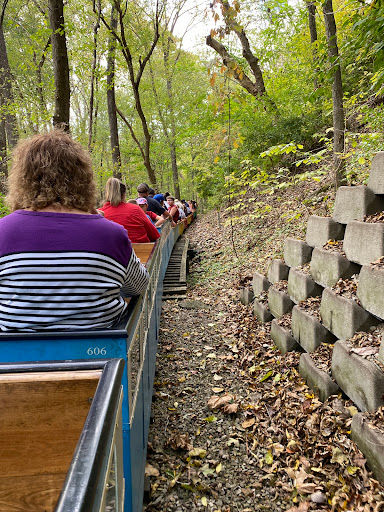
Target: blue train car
[[135, 343]]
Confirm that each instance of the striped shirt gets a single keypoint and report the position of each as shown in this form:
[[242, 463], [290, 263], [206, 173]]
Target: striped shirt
[[65, 271]]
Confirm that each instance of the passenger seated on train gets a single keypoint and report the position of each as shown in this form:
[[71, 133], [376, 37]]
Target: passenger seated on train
[[131, 216], [61, 267], [172, 208], [155, 219]]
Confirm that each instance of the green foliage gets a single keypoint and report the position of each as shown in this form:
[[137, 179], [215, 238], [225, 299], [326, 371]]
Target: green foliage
[[4, 210]]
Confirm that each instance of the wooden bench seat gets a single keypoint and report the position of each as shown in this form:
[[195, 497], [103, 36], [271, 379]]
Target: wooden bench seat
[[42, 416]]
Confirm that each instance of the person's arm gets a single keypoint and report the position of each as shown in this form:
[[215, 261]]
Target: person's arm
[[152, 232], [136, 277], [159, 221]]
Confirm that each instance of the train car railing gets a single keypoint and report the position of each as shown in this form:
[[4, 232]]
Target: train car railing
[[61, 442], [135, 341]]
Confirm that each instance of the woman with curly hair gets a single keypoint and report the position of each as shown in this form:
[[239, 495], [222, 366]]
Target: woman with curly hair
[[130, 216], [61, 265]]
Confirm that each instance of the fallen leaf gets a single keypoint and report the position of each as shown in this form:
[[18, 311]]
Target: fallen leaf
[[248, 423], [217, 390], [204, 501], [151, 470], [218, 468], [198, 452], [230, 408], [215, 402]]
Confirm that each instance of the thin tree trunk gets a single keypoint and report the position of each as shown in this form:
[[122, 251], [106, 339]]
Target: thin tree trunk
[[3, 158], [313, 33], [135, 79], [92, 93], [6, 94], [337, 94], [60, 64], [39, 87], [111, 99]]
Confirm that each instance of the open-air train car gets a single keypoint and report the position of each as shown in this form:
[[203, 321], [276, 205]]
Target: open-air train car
[[136, 343]]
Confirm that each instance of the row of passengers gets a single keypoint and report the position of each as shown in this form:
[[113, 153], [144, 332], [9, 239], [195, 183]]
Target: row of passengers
[[62, 265], [133, 214]]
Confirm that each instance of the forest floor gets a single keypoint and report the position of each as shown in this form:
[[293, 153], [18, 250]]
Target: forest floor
[[235, 427]]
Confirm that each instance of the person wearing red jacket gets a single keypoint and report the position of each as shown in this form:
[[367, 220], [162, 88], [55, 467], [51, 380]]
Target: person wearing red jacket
[[130, 216]]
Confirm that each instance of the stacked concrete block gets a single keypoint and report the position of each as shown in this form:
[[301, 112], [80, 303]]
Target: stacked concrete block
[[376, 174], [277, 271], [328, 267], [296, 252], [259, 283], [343, 316], [301, 286], [283, 338], [246, 296], [279, 302], [261, 312], [370, 290], [322, 229], [364, 241], [381, 350], [371, 443], [360, 379], [318, 380], [354, 203], [308, 331]]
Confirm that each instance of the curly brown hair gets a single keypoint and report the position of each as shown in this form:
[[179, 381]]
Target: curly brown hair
[[51, 169]]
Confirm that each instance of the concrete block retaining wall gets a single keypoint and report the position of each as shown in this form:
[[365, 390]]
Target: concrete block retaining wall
[[363, 243]]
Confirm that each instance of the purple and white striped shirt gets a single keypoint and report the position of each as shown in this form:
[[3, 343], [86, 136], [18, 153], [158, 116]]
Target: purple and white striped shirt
[[65, 271]]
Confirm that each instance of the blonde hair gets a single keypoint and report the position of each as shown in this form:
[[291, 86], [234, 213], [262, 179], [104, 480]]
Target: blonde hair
[[51, 169], [114, 191]]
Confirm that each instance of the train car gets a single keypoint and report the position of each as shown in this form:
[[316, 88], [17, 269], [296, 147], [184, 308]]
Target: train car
[[61, 432], [135, 342]]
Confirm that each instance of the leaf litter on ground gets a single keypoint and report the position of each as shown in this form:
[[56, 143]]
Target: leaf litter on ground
[[282, 449]]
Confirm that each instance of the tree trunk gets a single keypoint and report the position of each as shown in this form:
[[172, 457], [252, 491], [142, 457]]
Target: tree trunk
[[313, 33], [135, 79], [337, 94], [111, 99], [10, 123], [60, 64], [3, 157], [92, 93]]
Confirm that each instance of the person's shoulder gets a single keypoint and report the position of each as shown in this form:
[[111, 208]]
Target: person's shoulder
[[110, 227]]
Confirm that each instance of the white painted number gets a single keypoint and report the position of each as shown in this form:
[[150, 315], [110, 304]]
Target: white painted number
[[96, 351]]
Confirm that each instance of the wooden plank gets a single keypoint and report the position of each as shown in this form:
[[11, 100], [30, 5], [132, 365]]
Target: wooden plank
[[39, 452], [30, 494], [33, 404], [143, 251]]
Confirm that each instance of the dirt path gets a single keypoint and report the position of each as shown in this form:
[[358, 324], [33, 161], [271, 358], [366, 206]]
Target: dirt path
[[235, 428]]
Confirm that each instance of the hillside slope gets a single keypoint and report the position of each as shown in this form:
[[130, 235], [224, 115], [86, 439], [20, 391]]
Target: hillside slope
[[236, 428]]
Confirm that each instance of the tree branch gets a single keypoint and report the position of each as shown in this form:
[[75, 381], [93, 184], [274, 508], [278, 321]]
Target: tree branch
[[132, 132]]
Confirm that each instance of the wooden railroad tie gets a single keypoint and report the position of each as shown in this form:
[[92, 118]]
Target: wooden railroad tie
[[175, 279]]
